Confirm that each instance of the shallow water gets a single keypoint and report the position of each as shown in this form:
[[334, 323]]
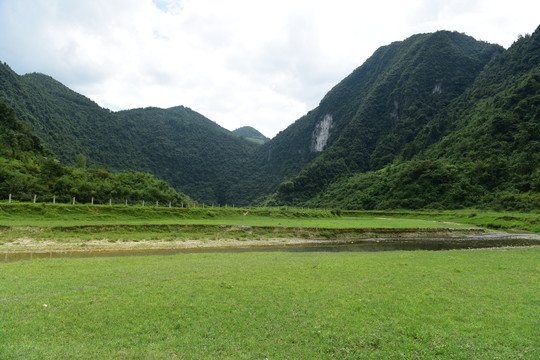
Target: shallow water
[[493, 240]]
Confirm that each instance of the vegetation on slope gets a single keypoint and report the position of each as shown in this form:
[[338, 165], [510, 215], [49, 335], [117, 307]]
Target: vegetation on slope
[[482, 149], [385, 103], [27, 169], [249, 133], [178, 145], [437, 120]]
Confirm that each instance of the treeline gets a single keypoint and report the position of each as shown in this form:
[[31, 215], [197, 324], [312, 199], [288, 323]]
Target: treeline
[[27, 170], [437, 120], [433, 184]]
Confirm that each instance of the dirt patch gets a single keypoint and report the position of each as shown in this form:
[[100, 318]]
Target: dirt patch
[[32, 245], [210, 236]]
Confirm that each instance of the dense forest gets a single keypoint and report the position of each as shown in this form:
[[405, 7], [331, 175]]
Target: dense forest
[[249, 133], [28, 169], [192, 153], [375, 112], [482, 149], [438, 120]]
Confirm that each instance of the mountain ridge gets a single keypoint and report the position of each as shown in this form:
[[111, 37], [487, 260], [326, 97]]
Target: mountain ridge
[[192, 153], [388, 135], [483, 150], [383, 94], [29, 172]]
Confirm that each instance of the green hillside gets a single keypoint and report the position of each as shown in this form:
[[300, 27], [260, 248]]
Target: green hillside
[[190, 152], [482, 150], [381, 107], [27, 169], [252, 134], [438, 120]]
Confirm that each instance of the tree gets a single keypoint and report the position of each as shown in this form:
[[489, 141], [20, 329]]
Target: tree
[[81, 162]]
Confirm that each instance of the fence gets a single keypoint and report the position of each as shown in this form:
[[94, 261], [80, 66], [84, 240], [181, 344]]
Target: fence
[[156, 204], [111, 202]]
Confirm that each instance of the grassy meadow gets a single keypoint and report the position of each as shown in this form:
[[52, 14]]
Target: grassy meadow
[[61, 215], [49, 215], [60, 227], [461, 304], [481, 304], [37, 227]]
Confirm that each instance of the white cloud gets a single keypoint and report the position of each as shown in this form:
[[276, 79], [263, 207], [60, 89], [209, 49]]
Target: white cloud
[[238, 62]]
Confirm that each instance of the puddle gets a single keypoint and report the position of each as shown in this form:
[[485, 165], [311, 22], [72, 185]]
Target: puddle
[[481, 241]]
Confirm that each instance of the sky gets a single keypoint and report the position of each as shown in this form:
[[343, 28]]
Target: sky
[[240, 63]]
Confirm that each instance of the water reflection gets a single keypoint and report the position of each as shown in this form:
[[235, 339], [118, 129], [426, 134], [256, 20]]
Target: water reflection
[[380, 244]]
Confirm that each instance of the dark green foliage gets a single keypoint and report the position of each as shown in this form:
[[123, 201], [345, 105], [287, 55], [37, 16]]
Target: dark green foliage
[[437, 120], [27, 169], [381, 107], [249, 133], [16, 137], [483, 150], [178, 145]]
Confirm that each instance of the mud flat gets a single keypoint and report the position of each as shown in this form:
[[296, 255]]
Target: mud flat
[[246, 238]]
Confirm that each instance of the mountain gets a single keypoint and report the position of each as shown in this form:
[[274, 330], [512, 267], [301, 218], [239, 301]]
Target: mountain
[[437, 120], [190, 152], [28, 170], [251, 134], [367, 119], [481, 148]]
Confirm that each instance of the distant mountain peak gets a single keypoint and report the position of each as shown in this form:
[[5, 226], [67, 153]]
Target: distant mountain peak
[[251, 134]]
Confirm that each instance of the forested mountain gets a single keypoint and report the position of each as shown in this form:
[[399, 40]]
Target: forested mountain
[[482, 149], [249, 133], [365, 121], [27, 169], [437, 120], [190, 152]]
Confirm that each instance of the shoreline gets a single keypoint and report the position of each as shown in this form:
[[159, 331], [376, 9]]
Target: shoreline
[[220, 236], [29, 245]]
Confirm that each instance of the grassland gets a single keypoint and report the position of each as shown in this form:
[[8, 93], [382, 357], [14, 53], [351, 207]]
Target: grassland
[[48, 215], [47, 227], [41, 227], [481, 304]]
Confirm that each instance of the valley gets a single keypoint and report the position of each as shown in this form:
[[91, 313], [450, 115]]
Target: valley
[[437, 121], [397, 219]]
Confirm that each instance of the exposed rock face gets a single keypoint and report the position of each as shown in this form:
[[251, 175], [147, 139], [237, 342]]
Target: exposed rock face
[[437, 89], [395, 113], [321, 133]]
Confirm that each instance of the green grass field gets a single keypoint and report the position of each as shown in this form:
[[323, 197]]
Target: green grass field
[[44, 227], [482, 304], [48, 215], [41, 227]]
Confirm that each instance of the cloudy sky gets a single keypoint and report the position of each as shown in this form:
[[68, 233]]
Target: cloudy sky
[[238, 62]]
